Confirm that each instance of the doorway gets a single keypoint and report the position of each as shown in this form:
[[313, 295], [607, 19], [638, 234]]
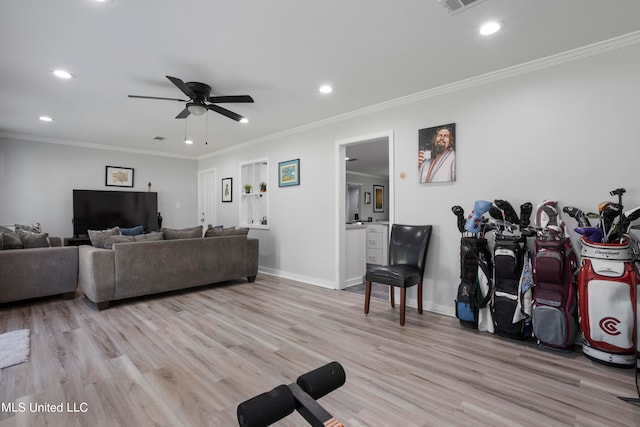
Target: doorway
[[354, 201], [341, 194], [207, 198]]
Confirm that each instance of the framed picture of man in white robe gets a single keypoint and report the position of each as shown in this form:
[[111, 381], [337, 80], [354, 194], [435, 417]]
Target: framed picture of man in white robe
[[437, 154]]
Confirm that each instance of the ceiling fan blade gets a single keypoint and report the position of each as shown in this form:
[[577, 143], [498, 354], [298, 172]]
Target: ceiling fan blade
[[231, 98], [182, 86], [225, 112], [155, 97], [183, 114]]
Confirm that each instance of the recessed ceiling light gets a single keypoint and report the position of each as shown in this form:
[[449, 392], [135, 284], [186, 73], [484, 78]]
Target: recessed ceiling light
[[490, 28], [45, 118], [62, 74], [188, 141], [244, 120], [325, 89]]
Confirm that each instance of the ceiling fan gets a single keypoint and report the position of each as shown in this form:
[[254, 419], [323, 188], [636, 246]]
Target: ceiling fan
[[200, 100]]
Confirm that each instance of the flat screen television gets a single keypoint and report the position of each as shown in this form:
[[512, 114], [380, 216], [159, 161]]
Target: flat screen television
[[99, 210]]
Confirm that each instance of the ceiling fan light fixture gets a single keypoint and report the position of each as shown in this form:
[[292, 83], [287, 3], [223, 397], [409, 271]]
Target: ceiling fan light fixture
[[197, 109]]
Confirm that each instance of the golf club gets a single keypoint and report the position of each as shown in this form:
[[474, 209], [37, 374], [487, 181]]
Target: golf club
[[622, 227], [459, 213], [609, 214], [578, 215], [525, 214], [510, 214]]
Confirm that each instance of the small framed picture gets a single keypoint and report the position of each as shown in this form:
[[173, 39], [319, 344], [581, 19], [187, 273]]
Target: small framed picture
[[289, 173], [378, 198], [367, 198], [117, 176], [227, 190]]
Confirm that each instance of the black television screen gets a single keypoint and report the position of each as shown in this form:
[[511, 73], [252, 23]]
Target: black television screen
[[99, 210]]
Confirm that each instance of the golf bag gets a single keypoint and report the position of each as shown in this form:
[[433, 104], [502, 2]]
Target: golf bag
[[607, 302], [512, 293], [555, 304], [474, 291]]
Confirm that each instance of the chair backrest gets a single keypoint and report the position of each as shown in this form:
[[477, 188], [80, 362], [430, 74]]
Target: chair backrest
[[409, 245]]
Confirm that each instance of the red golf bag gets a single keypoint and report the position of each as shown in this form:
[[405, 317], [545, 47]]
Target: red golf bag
[[607, 303], [555, 306]]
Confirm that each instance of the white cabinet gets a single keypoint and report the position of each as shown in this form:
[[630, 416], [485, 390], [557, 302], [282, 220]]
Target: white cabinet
[[254, 193], [377, 243]]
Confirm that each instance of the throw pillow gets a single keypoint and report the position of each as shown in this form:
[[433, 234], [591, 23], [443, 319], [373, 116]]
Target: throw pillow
[[132, 231], [231, 231], [154, 235], [34, 228], [237, 232], [10, 239], [185, 233], [97, 236], [31, 239], [110, 240]]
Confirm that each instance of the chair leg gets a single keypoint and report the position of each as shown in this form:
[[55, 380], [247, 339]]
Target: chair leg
[[367, 295], [420, 297], [392, 295], [403, 304]]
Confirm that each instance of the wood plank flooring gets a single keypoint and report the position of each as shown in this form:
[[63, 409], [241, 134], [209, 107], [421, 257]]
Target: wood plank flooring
[[188, 359]]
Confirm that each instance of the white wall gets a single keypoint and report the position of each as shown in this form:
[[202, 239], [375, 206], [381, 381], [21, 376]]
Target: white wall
[[37, 179], [567, 132]]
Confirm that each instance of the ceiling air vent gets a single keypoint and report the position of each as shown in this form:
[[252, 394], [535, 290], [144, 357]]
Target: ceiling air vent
[[457, 6]]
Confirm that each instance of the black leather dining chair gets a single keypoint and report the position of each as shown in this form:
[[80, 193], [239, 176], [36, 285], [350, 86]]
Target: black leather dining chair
[[407, 257]]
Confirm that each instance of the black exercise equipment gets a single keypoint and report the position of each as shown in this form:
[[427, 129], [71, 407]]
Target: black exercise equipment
[[270, 407]]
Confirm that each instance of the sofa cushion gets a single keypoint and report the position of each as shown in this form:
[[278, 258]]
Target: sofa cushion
[[10, 239], [154, 235], [97, 236], [34, 228], [232, 231], [132, 231], [32, 239], [184, 233]]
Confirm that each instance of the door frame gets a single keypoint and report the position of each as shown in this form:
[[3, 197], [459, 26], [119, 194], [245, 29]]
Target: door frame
[[340, 191]]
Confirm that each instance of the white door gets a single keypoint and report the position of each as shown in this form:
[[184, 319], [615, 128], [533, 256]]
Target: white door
[[207, 198]]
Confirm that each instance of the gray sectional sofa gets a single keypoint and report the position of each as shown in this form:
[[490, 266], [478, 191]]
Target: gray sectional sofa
[[38, 272], [149, 267]]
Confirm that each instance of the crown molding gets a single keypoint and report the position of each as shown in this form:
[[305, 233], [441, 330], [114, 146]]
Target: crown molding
[[598, 48], [93, 146]]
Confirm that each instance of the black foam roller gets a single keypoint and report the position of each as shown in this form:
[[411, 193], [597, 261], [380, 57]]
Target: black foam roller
[[266, 408], [323, 380]]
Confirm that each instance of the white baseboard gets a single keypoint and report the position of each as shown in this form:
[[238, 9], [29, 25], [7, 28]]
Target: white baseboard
[[328, 284]]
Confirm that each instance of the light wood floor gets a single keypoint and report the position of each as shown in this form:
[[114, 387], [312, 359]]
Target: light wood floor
[[189, 358]]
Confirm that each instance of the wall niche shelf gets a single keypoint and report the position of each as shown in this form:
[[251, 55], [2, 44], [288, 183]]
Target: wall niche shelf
[[254, 203]]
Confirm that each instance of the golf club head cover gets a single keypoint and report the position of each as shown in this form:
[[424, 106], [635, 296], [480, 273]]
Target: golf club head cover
[[547, 214], [474, 221], [525, 214], [592, 234], [496, 213], [510, 214], [323, 380], [459, 213], [266, 408]]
